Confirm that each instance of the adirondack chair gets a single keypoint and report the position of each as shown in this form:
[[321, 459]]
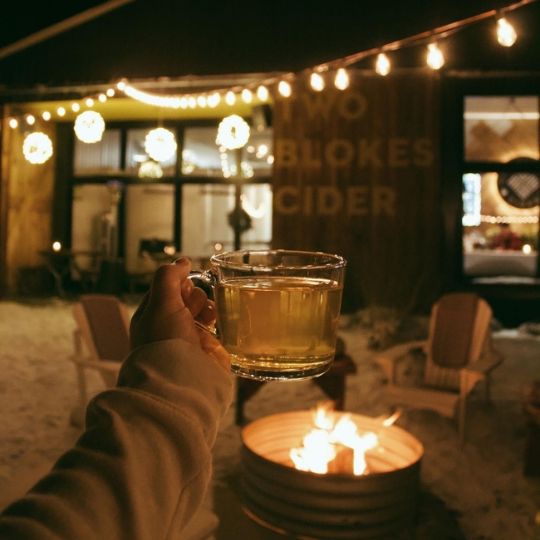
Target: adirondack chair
[[458, 354]]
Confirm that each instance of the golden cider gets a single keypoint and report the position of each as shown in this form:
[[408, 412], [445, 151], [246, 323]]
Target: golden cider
[[279, 327]]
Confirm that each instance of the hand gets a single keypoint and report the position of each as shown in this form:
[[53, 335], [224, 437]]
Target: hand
[[168, 311]]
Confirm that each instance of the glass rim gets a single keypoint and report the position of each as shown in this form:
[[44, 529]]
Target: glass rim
[[220, 260]]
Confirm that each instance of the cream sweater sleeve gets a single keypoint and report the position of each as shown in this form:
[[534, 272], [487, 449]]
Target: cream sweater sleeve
[[141, 468]]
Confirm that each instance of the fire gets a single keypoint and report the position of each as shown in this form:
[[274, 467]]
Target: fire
[[335, 445]]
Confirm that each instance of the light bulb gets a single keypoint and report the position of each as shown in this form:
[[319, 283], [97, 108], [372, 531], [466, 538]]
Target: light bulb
[[46, 115], [342, 79], [110, 92], [382, 64], [102, 98], [30, 119], [61, 111], [284, 88], [75, 107], [37, 147], [160, 144], [247, 95], [89, 102], [57, 246], [201, 101], [89, 127], [214, 99], [233, 132], [316, 81], [183, 102], [434, 57], [13, 123], [506, 33], [192, 102], [230, 98], [262, 93], [121, 86]]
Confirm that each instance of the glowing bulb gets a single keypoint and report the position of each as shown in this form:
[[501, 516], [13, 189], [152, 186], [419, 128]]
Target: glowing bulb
[[201, 101], [527, 249], [192, 102], [102, 98], [89, 127], [434, 57], [30, 119], [247, 95], [262, 93], [121, 86], [284, 88], [233, 132], [214, 99], [37, 147], [89, 102], [506, 33], [110, 92], [75, 107], [382, 64], [230, 98], [184, 103], [57, 246], [342, 79], [46, 115], [61, 111], [160, 144], [316, 81], [13, 123]]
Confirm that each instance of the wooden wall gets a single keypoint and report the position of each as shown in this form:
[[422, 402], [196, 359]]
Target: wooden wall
[[28, 200]]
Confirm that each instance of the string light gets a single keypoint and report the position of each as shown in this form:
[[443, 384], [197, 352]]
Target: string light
[[317, 82], [341, 80], [214, 99], [506, 33], [230, 98], [110, 92], [171, 102], [192, 102], [30, 119], [46, 115], [75, 107], [382, 64], [13, 123], [61, 111], [202, 101], [233, 132], [102, 98], [262, 93], [89, 127], [434, 56], [284, 88], [37, 148], [247, 95]]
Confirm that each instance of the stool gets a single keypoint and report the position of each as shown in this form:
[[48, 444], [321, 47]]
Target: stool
[[332, 383]]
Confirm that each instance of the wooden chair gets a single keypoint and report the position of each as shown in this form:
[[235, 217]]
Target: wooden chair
[[458, 354]]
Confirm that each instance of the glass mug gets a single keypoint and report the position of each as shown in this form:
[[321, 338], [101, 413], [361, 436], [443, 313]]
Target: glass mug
[[277, 310]]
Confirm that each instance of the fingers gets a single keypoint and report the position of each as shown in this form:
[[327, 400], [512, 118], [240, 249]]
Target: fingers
[[215, 349], [166, 290], [196, 301], [208, 313], [140, 309]]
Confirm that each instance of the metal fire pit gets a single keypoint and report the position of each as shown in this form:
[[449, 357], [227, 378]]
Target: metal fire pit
[[330, 506]]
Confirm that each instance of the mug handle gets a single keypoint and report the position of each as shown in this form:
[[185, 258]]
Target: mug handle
[[206, 281]]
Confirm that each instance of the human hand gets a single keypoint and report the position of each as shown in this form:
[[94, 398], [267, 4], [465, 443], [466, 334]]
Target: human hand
[[169, 309]]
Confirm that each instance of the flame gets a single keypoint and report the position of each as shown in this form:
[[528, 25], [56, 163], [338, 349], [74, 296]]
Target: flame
[[321, 444]]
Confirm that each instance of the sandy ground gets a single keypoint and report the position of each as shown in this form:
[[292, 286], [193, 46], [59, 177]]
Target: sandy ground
[[481, 482]]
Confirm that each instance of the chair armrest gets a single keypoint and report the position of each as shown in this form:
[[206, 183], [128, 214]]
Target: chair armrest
[[487, 364], [110, 366], [387, 359]]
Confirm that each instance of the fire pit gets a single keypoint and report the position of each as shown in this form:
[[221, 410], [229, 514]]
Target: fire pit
[[360, 476]]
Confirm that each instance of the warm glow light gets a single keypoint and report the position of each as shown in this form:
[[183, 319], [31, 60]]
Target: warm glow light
[[183, 103], [13, 123], [102, 98], [382, 64], [202, 101], [30, 119], [527, 249], [233, 132], [342, 79], [171, 102], [247, 95], [56, 246], [262, 93], [262, 150], [110, 92], [434, 56], [506, 33], [61, 111], [89, 102], [150, 169], [89, 127], [192, 102], [121, 86], [75, 107], [284, 88], [46, 115], [509, 219], [214, 99], [316, 82], [37, 147], [230, 98], [160, 144]]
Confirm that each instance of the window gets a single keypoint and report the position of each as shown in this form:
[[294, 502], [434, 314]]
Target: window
[[501, 186], [101, 158]]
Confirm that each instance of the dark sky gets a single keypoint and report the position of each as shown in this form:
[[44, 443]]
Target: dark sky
[[151, 38]]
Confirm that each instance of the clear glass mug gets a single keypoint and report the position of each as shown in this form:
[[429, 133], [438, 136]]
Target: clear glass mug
[[277, 310]]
